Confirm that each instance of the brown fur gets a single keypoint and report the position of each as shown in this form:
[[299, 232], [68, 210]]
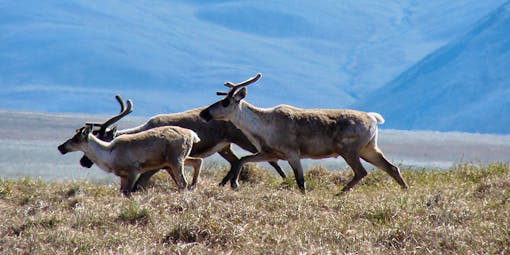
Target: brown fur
[[128, 156], [215, 136], [290, 133]]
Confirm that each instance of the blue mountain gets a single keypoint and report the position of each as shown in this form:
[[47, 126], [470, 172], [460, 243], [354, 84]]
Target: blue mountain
[[463, 86], [169, 56]]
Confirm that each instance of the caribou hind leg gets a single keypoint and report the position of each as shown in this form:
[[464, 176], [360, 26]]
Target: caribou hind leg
[[359, 171], [142, 181], [196, 163], [176, 171], [178, 178], [373, 155]]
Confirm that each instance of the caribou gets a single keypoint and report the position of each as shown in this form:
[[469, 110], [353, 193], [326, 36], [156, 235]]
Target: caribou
[[128, 156], [215, 136], [289, 133]]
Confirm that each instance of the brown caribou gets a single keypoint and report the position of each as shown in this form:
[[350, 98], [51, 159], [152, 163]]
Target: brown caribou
[[128, 156], [289, 133], [215, 136]]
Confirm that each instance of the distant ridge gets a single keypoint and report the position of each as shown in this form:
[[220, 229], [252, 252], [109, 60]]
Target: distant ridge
[[463, 86], [170, 56]]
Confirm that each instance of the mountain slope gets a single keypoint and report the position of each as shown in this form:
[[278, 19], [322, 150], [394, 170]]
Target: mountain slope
[[169, 56], [464, 86]]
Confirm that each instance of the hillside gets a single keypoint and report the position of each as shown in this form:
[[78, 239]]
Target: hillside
[[170, 56], [463, 86]]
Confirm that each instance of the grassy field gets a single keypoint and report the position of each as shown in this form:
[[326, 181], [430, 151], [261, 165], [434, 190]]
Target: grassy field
[[464, 210]]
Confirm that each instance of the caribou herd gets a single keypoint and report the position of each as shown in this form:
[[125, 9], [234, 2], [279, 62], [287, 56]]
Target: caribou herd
[[283, 132]]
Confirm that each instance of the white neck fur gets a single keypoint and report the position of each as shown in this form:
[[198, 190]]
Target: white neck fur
[[97, 150], [248, 119]]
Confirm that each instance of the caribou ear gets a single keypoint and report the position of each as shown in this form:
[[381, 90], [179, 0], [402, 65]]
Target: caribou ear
[[87, 129], [239, 95], [110, 134]]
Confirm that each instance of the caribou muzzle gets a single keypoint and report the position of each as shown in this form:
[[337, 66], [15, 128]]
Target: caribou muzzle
[[62, 149]]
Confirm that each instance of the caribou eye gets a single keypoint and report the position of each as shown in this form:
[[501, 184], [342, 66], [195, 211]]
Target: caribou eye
[[225, 102]]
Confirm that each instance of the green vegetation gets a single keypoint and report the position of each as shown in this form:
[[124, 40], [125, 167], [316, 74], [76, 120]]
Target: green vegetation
[[464, 210]]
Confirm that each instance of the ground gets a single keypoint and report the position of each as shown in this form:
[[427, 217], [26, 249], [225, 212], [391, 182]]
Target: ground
[[464, 210]]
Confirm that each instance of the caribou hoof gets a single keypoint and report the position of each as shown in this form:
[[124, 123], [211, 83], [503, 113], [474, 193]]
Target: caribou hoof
[[234, 186]]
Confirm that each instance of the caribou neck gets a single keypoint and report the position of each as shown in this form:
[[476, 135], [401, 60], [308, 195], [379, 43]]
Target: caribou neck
[[98, 151], [252, 121]]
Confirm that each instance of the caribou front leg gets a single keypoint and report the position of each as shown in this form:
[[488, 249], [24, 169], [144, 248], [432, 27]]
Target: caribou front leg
[[233, 174], [126, 183], [295, 163], [229, 155]]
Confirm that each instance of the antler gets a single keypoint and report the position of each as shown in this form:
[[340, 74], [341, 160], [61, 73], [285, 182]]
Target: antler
[[233, 87], [122, 107], [123, 112], [244, 83], [117, 117]]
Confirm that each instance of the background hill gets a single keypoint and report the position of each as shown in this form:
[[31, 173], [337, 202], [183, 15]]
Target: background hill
[[29, 148], [170, 56], [462, 86]]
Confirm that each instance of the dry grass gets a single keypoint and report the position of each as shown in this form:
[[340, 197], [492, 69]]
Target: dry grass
[[461, 211]]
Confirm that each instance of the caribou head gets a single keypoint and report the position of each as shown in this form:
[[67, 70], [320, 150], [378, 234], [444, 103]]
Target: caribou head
[[223, 109], [79, 138], [102, 130]]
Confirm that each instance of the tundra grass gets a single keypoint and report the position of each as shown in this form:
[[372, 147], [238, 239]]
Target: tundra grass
[[464, 210]]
